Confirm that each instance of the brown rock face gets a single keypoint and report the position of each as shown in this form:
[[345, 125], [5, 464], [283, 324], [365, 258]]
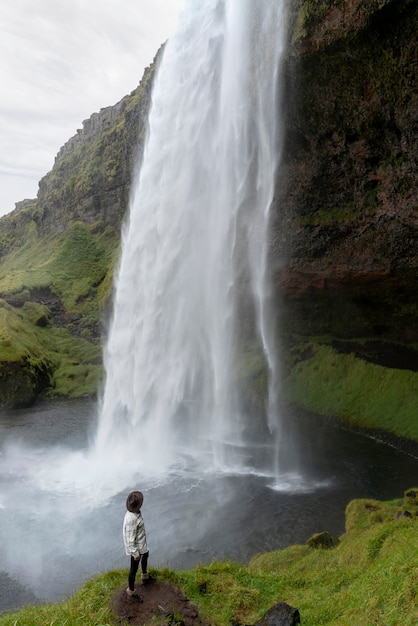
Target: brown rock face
[[345, 239]]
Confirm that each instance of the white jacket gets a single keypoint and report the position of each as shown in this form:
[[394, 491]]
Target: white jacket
[[134, 534]]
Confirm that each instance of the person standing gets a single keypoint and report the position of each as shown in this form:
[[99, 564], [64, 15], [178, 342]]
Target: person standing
[[135, 541]]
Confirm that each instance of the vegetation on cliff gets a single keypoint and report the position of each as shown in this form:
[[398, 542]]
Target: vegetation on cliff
[[58, 254], [369, 577], [49, 324], [324, 381]]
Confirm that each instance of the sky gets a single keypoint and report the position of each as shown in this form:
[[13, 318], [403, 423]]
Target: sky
[[61, 61]]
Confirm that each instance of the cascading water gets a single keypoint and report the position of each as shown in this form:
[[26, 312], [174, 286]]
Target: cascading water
[[195, 246]]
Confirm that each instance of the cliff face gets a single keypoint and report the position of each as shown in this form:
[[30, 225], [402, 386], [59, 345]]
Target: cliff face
[[346, 224], [58, 253], [91, 177]]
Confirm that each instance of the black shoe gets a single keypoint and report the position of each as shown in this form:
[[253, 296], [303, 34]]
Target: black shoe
[[150, 579], [136, 598], [133, 595]]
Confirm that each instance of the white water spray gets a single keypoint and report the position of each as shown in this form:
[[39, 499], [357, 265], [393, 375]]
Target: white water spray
[[196, 240]]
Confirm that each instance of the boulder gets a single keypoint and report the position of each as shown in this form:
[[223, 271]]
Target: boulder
[[281, 614]]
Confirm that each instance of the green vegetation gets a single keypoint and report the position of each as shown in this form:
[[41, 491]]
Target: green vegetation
[[358, 392], [71, 264], [89, 606], [60, 251], [309, 14], [31, 348], [370, 577], [50, 334], [341, 214]]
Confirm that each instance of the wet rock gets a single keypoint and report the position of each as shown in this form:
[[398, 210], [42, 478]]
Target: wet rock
[[411, 496], [21, 382]]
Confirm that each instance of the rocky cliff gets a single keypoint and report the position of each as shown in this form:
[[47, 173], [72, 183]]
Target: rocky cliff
[[58, 253], [91, 177], [346, 231]]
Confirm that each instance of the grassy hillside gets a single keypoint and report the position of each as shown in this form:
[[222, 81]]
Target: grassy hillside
[[369, 578], [72, 264], [59, 251], [324, 381], [54, 290]]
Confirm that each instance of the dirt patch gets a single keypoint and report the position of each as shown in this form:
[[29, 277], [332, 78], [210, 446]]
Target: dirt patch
[[161, 600]]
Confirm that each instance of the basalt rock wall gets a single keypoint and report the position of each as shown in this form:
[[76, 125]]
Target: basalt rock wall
[[345, 233]]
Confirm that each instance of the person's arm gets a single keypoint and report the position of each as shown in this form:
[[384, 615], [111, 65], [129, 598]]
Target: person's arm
[[141, 537]]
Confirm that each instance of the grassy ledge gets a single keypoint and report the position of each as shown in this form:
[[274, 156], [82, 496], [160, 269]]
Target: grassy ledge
[[355, 391], [369, 578]]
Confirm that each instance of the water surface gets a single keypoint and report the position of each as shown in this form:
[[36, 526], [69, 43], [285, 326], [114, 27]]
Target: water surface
[[55, 535]]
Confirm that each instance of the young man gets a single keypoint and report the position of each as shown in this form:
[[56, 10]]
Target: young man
[[135, 541]]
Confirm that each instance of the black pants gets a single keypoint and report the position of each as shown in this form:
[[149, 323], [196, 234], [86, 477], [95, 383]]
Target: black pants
[[134, 568]]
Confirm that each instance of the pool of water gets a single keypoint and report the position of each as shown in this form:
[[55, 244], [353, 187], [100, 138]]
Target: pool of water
[[55, 534]]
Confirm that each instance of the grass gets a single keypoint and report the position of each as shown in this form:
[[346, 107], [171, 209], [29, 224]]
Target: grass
[[370, 578], [358, 392], [90, 605], [28, 337], [72, 264], [74, 269]]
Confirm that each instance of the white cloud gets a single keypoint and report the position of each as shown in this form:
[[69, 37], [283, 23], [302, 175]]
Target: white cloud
[[60, 61]]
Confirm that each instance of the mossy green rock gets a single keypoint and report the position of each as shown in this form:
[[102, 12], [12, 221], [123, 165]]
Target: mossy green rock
[[323, 541]]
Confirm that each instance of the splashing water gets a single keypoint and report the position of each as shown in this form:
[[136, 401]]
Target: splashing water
[[196, 244]]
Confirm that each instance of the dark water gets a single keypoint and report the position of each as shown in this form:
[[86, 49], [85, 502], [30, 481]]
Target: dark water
[[53, 540]]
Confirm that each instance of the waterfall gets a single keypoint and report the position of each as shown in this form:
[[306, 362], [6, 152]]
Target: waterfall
[[193, 266]]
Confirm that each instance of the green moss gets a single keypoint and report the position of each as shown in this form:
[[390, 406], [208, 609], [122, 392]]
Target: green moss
[[77, 364], [46, 359], [310, 12], [358, 392], [72, 264], [252, 377], [57, 354]]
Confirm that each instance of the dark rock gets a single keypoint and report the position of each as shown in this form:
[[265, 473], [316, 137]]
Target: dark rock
[[21, 382], [345, 221], [403, 514], [281, 614], [411, 496]]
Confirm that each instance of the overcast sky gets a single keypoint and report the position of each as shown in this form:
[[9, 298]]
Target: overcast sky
[[61, 61]]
